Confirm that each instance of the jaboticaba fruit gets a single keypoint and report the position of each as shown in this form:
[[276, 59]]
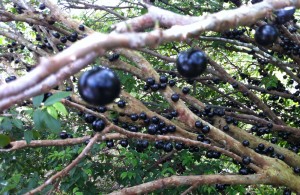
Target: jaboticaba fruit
[[99, 86], [284, 15], [266, 34], [191, 63]]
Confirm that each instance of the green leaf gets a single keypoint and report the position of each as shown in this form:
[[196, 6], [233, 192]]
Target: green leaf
[[28, 136], [17, 123], [12, 183], [123, 175], [56, 97], [60, 108], [52, 111], [37, 100], [52, 124], [6, 124], [144, 11], [270, 81], [38, 119], [36, 134], [4, 140], [166, 170]]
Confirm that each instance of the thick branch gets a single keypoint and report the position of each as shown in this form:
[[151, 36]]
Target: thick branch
[[191, 180]]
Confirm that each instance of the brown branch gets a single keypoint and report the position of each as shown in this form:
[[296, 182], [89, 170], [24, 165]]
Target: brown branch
[[245, 15], [191, 180], [17, 145]]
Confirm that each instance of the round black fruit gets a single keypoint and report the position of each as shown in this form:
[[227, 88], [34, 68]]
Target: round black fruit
[[102, 109], [99, 86], [266, 35], [284, 15], [171, 128], [81, 27], [121, 103], [159, 144], [110, 143], [124, 143], [246, 143], [98, 125], [185, 90], [243, 171], [63, 135], [191, 63], [152, 129], [205, 129], [246, 160], [163, 79], [168, 147], [175, 97], [42, 6], [179, 146], [89, 118]]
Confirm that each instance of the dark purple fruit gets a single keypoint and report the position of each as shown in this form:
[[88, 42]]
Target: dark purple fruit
[[110, 143], [63, 39], [266, 35], [226, 128], [63, 135], [56, 35], [134, 117], [297, 170], [200, 137], [159, 144], [179, 146], [124, 143], [220, 187], [10, 78], [98, 125], [243, 171], [99, 86], [42, 6], [172, 83], [171, 128], [261, 146], [198, 124], [284, 15], [163, 79], [168, 147], [175, 97], [246, 160], [150, 81], [152, 129], [155, 87], [113, 57], [274, 140], [205, 129], [246, 143], [81, 27], [89, 118], [185, 90], [102, 109], [70, 135], [143, 115], [191, 63], [69, 89], [121, 103]]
